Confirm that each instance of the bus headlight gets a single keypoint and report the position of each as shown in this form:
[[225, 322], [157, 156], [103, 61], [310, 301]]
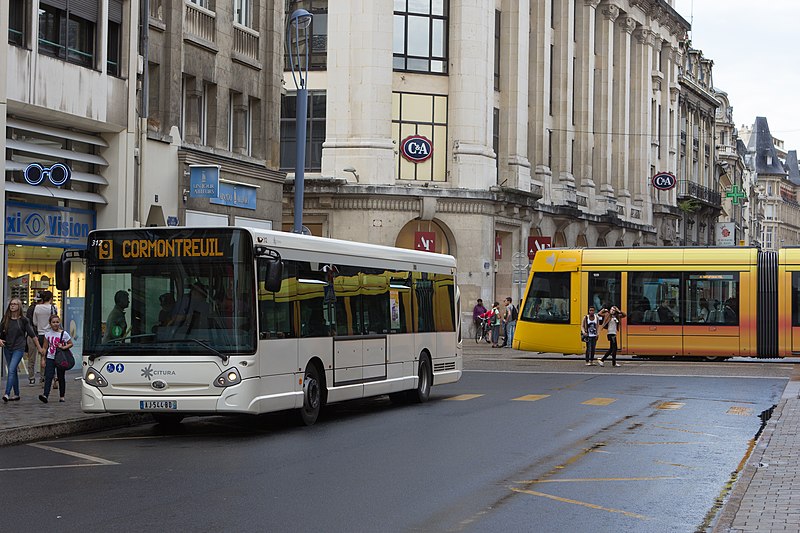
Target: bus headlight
[[228, 378], [94, 378]]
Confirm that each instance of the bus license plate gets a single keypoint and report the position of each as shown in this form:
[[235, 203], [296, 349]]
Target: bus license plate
[[158, 404]]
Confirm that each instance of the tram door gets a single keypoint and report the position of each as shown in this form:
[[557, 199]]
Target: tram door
[[654, 321], [604, 291]]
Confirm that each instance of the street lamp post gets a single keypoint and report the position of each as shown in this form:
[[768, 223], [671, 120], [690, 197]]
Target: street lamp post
[[297, 35]]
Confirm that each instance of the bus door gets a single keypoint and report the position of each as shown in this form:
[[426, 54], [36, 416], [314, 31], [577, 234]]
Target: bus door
[[711, 314], [653, 324], [605, 290]]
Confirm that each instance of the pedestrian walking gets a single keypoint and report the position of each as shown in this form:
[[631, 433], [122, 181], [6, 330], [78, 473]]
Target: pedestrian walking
[[510, 322], [41, 317], [55, 338], [590, 325], [14, 332], [611, 318], [32, 360]]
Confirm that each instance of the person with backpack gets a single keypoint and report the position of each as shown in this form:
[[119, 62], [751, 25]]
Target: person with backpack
[[611, 318], [510, 321], [495, 320], [32, 359], [590, 328], [41, 318], [14, 332]]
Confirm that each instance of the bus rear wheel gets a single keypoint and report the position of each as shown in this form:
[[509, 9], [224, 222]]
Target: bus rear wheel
[[424, 381], [312, 396]]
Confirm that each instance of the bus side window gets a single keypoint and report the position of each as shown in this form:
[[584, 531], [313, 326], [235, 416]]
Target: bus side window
[[275, 308]]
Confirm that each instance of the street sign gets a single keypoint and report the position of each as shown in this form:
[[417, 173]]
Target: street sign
[[519, 261]]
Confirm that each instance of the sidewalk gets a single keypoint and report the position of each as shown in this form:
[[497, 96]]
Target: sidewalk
[[30, 420]]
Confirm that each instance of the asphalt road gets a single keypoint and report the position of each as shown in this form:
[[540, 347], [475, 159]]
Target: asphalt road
[[557, 447]]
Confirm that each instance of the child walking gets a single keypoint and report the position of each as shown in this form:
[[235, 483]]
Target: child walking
[[54, 338]]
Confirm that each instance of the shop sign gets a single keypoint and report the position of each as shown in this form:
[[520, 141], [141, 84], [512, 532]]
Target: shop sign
[[416, 148], [236, 195], [725, 233], [664, 181], [57, 174], [425, 241], [63, 227], [537, 243], [203, 181]]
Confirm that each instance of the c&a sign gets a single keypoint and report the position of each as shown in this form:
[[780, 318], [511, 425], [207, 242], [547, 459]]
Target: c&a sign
[[416, 148], [63, 227]]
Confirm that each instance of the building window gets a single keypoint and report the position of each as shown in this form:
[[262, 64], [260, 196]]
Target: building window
[[420, 35], [69, 33], [16, 22], [202, 3], [317, 33], [315, 131], [424, 115], [113, 46], [497, 29], [242, 12]]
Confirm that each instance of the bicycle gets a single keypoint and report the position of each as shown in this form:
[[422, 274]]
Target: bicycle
[[483, 331]]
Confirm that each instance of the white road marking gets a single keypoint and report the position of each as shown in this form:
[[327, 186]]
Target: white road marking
[[97, 460], [620, 374]]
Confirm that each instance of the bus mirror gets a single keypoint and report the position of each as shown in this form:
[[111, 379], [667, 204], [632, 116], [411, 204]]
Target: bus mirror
[[274, 275], [63, 272]]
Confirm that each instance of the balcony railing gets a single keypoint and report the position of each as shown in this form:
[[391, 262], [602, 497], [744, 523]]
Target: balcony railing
[[690, 189], [245, 41], [199, 21]]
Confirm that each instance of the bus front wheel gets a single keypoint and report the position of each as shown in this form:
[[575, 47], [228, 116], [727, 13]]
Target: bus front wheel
[[424, 381], [312, 396]]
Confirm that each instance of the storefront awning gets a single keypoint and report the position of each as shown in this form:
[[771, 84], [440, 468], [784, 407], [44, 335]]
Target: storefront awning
[[52, 192]]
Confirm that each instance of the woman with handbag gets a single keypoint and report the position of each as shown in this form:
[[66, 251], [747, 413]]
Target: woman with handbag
[[55, 339], [611, 323], [14, 332]]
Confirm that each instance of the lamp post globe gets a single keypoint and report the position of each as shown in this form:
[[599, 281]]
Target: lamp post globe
[[297, 35]]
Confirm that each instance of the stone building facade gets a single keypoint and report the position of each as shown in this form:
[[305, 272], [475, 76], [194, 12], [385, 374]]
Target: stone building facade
[[545, 118], [210, 92]]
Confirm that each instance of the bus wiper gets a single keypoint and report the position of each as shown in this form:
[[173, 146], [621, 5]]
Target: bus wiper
[[206, 346], [117, 343]]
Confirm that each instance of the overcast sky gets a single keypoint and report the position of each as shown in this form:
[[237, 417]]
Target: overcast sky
[[754, 45]]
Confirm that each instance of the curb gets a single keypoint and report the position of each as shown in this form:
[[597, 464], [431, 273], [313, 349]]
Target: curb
[[22, 435]]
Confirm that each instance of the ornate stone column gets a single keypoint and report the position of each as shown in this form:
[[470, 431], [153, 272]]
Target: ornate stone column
[[621, 115], [359, 92], [515, 168], [563, 84], [471, 91], [604, 103], [539, 138], [584, 92], [638, 162]]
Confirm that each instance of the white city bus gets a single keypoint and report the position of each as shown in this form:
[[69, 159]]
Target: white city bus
[[239, 320]]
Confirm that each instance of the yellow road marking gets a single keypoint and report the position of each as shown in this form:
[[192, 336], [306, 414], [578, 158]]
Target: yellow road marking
[[685, 431], [673, 464], [576, 502], [741, 411], [599, 401], [580, 480], [463, 397], [640, 443], [531, 397], [670, 405]]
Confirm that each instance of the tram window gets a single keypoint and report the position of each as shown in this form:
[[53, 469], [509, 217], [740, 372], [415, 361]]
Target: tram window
[[795, 298], [604, 290], [654, 298], [712, 298], [548, 298]]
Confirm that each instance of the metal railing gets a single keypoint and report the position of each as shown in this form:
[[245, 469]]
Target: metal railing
[[245, 41], [696, 191], [199, 21]]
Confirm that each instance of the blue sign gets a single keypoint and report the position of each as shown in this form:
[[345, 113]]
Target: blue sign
[[172, 221], [58, 174], [236, 195], [204, 181], [63, 227], [416, 148], [73, 323]]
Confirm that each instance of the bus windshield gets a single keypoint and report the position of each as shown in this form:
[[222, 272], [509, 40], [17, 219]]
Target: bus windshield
[[187, 291]]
